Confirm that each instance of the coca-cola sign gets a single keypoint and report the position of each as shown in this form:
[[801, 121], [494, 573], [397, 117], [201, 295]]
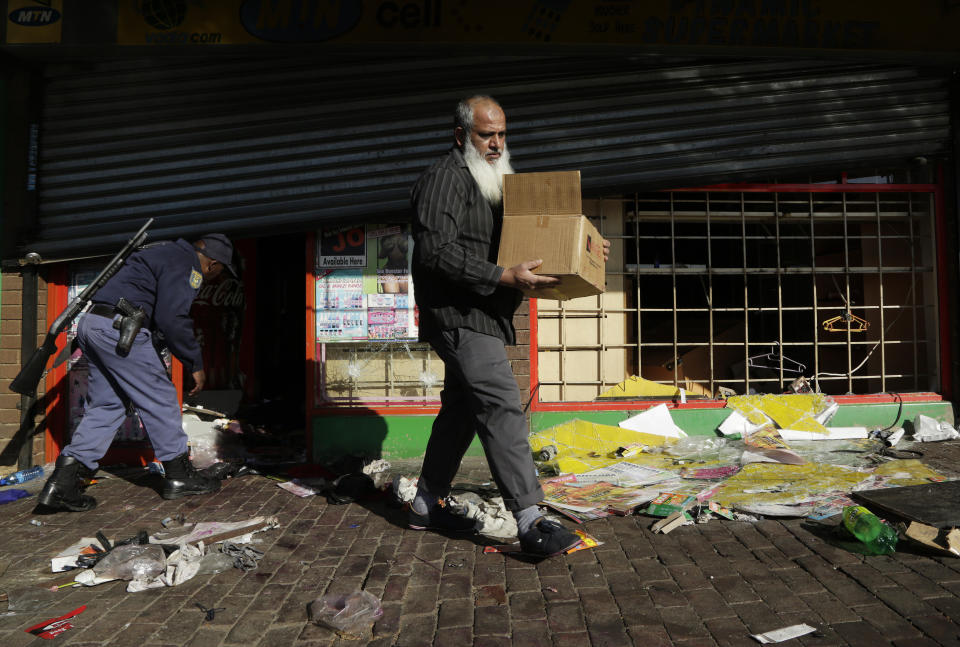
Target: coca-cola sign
[[227, 293]]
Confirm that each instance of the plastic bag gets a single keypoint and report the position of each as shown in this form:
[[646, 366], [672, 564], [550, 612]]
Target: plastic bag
[[132, 562], [29, 599], [204, 440], [215, 562], [348, 614]]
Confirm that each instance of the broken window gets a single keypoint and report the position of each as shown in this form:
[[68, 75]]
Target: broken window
[[365, 319], [750, 288]]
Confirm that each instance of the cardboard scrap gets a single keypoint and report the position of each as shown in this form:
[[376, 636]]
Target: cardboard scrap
[[675, 520], [943, 541]]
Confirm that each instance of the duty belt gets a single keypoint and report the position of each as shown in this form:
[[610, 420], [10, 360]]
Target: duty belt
[[103, 310]]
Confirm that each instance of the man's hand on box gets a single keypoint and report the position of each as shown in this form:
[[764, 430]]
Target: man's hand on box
[[606, 250], [521, 277]]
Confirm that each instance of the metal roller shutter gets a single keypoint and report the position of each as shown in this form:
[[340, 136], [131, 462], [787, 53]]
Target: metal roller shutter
[[263, 146]]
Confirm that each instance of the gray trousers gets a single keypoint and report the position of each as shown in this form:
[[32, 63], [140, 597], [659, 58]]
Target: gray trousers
[[139, 377], [480, 396]]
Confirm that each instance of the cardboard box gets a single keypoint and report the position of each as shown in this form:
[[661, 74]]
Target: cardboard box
[[542, 219]]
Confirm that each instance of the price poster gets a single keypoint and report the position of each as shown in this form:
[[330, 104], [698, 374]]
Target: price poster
[[363, 287]]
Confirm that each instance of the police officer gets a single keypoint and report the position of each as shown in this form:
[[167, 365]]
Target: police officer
[[163, 280]]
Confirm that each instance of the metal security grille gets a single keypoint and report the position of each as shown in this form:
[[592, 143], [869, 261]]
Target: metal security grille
[[264, 145], [751, 289]]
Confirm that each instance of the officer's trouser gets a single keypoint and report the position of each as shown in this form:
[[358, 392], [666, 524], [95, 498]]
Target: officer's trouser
[[140, 377]]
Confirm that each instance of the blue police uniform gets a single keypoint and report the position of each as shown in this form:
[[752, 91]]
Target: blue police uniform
[[163, 280]]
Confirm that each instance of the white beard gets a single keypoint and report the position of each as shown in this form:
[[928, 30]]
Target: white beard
[[489, 177]]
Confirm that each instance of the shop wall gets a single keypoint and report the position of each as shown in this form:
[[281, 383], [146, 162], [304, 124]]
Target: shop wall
[[376, 434], [11, 313]]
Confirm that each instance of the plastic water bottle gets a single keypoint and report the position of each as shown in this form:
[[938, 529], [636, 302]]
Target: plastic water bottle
[[23, 476], [877, 537]]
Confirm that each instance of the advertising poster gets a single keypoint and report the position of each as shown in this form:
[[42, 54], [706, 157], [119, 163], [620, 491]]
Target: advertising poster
[[373, 299], [342, 247]]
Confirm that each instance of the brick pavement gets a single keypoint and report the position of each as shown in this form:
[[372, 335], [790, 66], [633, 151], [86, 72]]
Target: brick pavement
[[709, 584]]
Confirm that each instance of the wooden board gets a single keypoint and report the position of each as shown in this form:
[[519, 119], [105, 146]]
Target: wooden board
[[935, 504]]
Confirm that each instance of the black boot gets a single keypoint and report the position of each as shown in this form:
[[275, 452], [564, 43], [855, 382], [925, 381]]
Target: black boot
[[63, 490], [181, 478]]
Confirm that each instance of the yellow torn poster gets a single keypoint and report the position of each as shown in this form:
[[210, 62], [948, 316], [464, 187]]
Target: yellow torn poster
[[639, 387], [579, 446], [786, 484], [792, 411]]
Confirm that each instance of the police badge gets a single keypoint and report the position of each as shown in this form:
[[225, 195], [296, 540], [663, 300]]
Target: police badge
[[196, 278]]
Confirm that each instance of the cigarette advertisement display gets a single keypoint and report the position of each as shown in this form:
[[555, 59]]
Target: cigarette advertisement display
[[363, 286]]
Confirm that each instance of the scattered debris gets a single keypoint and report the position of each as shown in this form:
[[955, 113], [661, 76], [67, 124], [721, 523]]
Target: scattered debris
[[209, 614], [945, 542], [211, 532], [349, 615], [492, 517], [934, 504], [53, 627], [780, 635], [586, 541], [489, 596], [674, 520], [13, 494], [655, 421], [926, 430], [246, 558], [293, 487]]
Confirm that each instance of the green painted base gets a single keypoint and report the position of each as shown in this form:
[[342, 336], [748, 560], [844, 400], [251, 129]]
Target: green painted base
[[396, 437], [389, 437]]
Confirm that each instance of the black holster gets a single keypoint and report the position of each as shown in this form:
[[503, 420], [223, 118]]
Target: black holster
[[129, 324]]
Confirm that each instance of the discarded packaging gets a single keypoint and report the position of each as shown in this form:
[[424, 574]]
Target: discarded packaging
[[204, 439], [29, 599], [638, 387], [295, 488], [349, 614], [877, 537], [53, 627], [675, 520], [799, 411], [492, 517], [211, 532], [215, 562], [586, 541], [945, 542], [833, 433], [656, 421], [129, 562], [780, 635], [13, 494], [926, 430], [582, 446]]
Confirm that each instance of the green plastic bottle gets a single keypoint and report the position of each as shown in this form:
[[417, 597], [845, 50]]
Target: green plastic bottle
[[877, 537]]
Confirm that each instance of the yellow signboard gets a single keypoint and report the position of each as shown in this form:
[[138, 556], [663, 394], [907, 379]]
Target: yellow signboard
[[886, 26], [34, 21]]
